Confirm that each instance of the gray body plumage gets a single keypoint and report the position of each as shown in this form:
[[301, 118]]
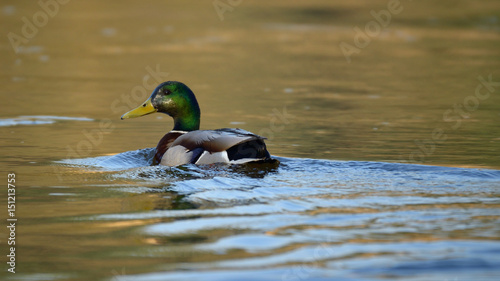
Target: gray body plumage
[[215, 146]]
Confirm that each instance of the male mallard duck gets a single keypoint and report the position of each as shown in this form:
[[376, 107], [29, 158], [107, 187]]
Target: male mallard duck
[[186, 143]]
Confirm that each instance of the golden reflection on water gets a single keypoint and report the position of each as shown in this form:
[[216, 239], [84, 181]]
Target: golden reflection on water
[[89, 62], [265, 60]]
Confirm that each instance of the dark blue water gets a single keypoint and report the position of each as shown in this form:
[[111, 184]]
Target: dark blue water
[[307, 219]]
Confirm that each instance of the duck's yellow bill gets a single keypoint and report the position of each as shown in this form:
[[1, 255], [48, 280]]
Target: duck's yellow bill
[[144, 109]]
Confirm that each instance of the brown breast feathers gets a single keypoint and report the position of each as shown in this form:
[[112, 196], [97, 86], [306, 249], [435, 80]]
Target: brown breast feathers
[[165, 144]]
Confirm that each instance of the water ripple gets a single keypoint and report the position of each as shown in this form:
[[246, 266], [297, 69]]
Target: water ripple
[[38, 120], [310, 219]]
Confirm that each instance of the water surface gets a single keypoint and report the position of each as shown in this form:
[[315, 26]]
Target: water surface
[[389, 166]]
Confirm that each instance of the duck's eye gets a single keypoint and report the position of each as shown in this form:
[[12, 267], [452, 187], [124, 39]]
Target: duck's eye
[[166, 92]]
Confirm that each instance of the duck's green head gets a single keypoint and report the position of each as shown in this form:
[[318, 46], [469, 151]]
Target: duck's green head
[[175, 99]]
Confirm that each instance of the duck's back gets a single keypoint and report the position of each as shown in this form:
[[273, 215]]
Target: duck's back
[[211, 146]]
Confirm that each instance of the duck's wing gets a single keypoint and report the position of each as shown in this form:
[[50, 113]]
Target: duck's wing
[[215, 146], [214, 140]]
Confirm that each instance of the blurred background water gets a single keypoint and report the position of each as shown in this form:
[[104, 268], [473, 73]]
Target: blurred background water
[[407, 185]]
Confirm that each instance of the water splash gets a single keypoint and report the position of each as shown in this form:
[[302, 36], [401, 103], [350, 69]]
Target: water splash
[[311, 219]]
